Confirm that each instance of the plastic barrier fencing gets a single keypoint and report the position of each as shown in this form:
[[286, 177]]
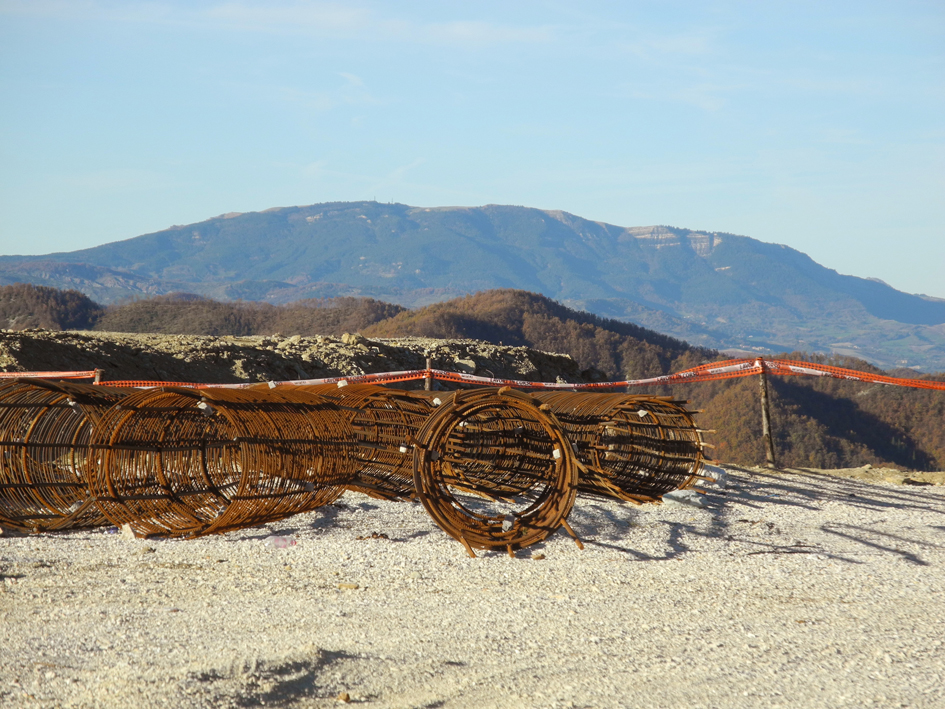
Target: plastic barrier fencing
[[728, 369]]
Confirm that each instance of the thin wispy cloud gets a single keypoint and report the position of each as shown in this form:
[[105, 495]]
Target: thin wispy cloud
[[706, 96], [482, 33], [312, 100], [654, 47], [352, 79], [323, 20], [316, 18], [398, 173], [342, 20], [93, 10]]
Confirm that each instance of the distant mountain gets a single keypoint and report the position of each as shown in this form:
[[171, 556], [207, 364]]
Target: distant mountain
[[712, 289]]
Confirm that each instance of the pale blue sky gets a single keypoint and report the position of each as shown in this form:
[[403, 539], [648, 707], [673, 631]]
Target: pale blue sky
[[818, 125]]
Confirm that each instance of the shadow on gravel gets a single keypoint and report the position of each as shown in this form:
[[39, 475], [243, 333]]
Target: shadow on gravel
[[326, 515], [771, 488], [261, 682], [677, 532], [813, 490], [863, 532], [738, 516]]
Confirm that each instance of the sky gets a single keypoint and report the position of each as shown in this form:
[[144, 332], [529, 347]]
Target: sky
[[816, 125]]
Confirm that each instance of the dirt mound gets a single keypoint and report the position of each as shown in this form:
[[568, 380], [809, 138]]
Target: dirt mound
[[229, 359]]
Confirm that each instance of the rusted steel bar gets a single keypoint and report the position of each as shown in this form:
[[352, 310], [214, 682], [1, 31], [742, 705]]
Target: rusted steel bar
[[634, 448], [44, 434], [383, 422], [179, 462], [494, 471], [495, 468]]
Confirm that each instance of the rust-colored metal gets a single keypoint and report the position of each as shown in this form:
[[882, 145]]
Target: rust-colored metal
[[383, 423], [45, 429], [494, 470], [633, 448], [179, 462]]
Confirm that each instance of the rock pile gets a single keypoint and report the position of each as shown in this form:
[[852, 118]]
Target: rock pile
[[228, 359]]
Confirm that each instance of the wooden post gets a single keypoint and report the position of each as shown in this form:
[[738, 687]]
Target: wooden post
[[98, 376], [428, 379], [766, 418]]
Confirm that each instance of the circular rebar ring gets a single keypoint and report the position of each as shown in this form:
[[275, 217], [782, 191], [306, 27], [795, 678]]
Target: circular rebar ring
[[44, 433], [494, 471], [632, 448]]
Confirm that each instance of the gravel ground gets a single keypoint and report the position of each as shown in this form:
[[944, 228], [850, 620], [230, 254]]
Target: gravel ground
[[796, 589]]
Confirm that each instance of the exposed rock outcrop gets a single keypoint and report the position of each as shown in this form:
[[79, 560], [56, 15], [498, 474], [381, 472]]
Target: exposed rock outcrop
[[191, 358]]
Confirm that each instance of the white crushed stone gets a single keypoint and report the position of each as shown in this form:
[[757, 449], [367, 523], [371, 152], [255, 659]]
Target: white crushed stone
[[785, 591]]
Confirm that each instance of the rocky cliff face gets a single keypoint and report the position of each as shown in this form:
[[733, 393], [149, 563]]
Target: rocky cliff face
[[188, 358]]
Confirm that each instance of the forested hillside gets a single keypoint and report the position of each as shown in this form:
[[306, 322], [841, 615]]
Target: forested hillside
[[825, 423], [605, 349], [818, 422], [23, 305], [185, 314]]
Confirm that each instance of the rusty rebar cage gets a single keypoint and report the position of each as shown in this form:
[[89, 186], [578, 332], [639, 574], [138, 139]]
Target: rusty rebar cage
[[495, 468], [495, 471], [383, 423], [633, 448], [44, 434], [179, 462]]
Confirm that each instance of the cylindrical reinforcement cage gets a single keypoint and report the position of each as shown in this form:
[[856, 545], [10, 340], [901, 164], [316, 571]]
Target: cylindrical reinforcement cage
[[179, 462], [630, 447], [494, 470], [383, 422], [45, 429], [633, 448]]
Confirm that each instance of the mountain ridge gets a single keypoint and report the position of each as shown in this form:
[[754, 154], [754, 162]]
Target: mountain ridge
[[714, 289]]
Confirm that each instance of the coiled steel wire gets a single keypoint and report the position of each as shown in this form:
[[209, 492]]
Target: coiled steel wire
[[495, 471], [633, 448], [179, 462], [44, 434]]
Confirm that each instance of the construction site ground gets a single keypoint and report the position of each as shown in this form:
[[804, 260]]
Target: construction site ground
[[819, 588], [787, 589]]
